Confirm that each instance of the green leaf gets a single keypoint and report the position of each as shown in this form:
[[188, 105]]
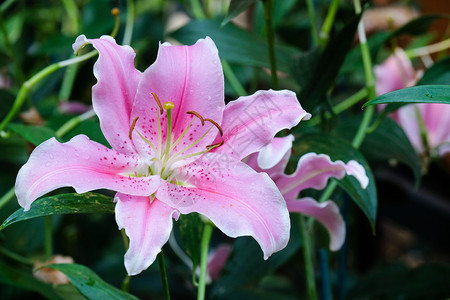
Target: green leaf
[[90, 284], [191, 228], [22, 278], [63, 204], [236, 7], [388, 141], [415, 94], [235, 44], [340, 149], [327, 66], [34, 134], [246, 265], [438, 73], [418, 26]]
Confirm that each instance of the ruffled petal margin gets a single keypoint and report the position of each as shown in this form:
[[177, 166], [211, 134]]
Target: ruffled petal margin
[[82, 164], [327, 213], [239, 201], [249, 123]]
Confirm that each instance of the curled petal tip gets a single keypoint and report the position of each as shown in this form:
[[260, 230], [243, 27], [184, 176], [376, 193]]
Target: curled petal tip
[[80, 42], [357, 170]]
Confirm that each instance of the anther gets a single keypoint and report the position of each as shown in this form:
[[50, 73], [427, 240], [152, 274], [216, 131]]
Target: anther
[[115, 11], [158, 102], [132, 127], [191, 112], [168, 105], [213, 146], [217, 125]]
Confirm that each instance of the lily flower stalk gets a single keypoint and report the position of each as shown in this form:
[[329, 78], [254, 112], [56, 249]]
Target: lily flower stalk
[[176, 148]]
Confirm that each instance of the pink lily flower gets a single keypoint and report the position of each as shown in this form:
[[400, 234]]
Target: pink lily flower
[[396, 73], [176, 148], [313, 171]]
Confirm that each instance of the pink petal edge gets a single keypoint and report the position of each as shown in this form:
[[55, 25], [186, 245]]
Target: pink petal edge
[[83, 164], [327, 213], [148, 225], [239, 201]]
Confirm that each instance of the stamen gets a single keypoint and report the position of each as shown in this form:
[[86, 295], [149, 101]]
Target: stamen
[[191, 112], [161, 111], [147, 141], [213, 146], [132, 127], [217, 125]]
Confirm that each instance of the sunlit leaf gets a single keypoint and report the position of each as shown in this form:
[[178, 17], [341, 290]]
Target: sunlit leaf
[[63, 204]]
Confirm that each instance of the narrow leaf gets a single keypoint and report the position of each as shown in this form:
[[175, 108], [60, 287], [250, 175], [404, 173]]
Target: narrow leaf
[[236, 7], [327, 66], [63, 204], [415, 94], [235, 44], [90, 284], [34, 134]]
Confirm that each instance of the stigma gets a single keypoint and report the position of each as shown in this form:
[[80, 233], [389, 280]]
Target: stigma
[[169, 151]]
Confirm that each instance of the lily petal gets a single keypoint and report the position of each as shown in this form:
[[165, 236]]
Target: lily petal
[[314, 170], [251, 122], [113, 95], [191, 78], [327, 213], [83, 164], [234, 197], [272, 158], [147, 224], [436, 117]]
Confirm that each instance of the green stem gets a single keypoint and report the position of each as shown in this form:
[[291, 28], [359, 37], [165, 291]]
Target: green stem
[[72, 123], [162, 272], [307, 257], [67, 83], [48, 237], [12, 52], [268, 7], [7, 197], [343, 106], [16, 257], [30, 83], [370, 87], [129, 23], [73, 13], [126, 280], [442, 45], [206, 237], [232, 79], [312, 22], [328, 23], [197, 10]]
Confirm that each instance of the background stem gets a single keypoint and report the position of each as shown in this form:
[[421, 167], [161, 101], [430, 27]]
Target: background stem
[[206, 237], [268, 7], [163, 274]]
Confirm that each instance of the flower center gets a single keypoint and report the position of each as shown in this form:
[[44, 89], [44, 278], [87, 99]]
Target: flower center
[[167, 153]]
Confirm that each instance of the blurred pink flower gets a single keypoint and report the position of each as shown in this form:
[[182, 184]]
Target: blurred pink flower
[[397, 73], [73, 107], [313, 171], [180, 155]]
